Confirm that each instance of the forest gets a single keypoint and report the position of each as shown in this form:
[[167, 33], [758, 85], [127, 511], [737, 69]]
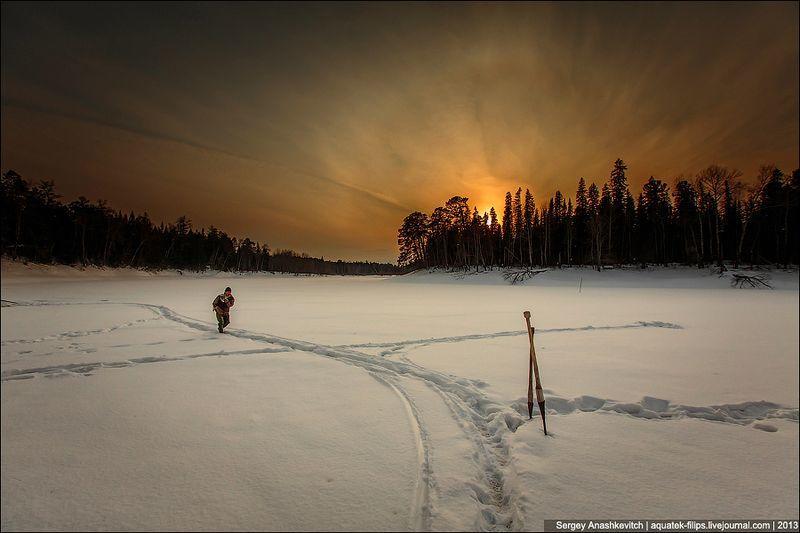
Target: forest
[[38, 226], [712, 218]]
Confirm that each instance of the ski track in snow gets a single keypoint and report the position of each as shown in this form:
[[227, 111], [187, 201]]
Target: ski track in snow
[[460, 338], [498, 509], [80, 333], [421, 505], [487, 423], [86, 368]]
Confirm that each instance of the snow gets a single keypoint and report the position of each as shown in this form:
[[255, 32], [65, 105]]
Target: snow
[[215, 444], [662, 470], [398, 403]]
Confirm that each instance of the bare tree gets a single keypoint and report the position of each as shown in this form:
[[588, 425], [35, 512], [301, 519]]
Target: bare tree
[[713, 180], [755, 197]]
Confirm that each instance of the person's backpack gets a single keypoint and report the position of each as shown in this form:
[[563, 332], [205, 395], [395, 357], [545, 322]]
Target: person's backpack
[[219, 303]]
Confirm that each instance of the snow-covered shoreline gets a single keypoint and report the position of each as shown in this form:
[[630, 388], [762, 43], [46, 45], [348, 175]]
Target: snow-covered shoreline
[[676, 276], [17, 270]]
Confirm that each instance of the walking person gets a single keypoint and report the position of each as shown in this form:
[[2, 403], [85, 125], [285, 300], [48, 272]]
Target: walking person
[[222, 307]]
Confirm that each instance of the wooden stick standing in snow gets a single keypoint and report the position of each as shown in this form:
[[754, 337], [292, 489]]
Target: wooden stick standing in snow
[[533, 372]]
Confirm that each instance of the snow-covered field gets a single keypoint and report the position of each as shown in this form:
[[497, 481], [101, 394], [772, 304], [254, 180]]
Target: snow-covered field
[[393, 403]]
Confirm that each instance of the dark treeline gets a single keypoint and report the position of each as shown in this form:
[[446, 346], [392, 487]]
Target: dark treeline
[[708, 219], [38, 226]]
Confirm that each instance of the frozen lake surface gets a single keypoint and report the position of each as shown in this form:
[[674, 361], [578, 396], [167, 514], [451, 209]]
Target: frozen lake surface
[[336, 403]]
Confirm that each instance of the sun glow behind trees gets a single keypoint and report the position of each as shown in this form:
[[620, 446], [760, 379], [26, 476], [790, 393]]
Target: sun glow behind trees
[[710, 218]]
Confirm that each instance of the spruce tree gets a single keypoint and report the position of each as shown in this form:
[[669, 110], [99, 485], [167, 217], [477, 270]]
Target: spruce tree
[[529, 210], [581, 223], [508, 233]]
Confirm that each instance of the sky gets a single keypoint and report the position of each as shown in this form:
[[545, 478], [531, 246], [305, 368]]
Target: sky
[[319, 127]]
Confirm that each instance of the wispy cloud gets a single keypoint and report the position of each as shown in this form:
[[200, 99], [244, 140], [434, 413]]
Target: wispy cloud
[[349, 117]]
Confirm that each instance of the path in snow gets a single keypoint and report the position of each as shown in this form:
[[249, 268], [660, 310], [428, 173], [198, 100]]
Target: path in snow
[[485, 422], [80, 333], [459, 338]]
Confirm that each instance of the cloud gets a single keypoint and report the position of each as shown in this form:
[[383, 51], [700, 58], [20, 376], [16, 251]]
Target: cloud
[[348, 118]]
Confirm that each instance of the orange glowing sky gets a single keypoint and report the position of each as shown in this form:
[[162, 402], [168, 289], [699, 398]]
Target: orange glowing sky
[[319, 127]]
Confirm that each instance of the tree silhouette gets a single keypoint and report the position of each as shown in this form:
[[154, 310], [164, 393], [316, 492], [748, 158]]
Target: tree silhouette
[[38, 226], [714, 218]]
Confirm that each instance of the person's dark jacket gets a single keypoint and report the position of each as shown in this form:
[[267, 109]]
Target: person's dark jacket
[[222, 304]]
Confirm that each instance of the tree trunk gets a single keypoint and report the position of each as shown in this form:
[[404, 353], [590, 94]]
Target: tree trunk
[[702, 252], [18, 233], [717, 234], [83, 244], [136, 252]]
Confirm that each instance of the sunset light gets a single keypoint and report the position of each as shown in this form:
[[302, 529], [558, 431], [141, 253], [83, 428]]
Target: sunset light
[[285, 112], [400, 266]]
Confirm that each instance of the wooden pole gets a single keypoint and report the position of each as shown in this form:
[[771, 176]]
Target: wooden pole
[[527, 315], [533, 372]]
